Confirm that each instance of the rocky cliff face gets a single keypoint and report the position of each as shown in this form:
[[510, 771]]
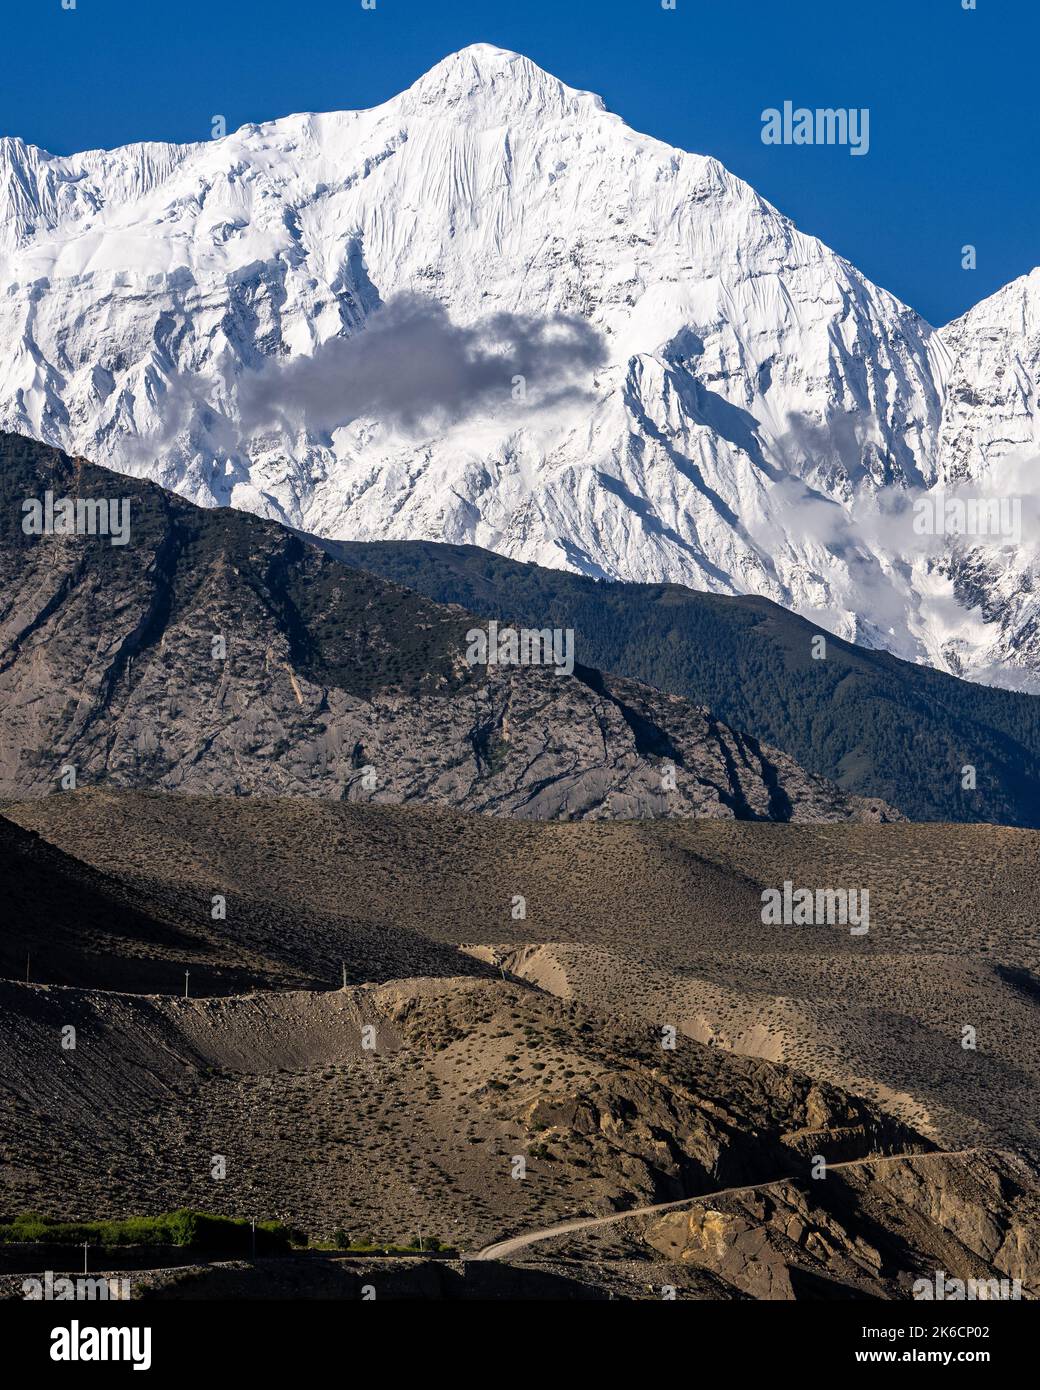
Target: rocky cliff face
[[218, 652], [879, 1227]]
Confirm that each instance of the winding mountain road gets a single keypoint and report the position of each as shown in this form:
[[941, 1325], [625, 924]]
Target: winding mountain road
[[504, 1249]]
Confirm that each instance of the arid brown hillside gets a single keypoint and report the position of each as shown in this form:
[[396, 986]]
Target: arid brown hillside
[[658, 923], [482, 1109], [461, 1076], [518, 1072], [71, 924]]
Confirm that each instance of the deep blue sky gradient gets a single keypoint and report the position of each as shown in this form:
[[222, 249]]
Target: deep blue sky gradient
[[953, 97]]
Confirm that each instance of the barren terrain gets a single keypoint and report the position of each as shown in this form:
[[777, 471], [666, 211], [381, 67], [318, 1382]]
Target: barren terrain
[[499, 1059]]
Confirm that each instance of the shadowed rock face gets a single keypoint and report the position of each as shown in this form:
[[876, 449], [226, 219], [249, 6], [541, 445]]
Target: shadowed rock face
[[875, 1229], [215, 652]]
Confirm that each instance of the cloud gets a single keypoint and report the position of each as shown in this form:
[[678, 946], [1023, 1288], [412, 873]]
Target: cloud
[[412, 367]]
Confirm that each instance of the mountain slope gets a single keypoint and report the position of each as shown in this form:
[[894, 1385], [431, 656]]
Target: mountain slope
[[988, 446], [417, 1132], [72, 924], [874, 724], [218, 652], [643, 923]]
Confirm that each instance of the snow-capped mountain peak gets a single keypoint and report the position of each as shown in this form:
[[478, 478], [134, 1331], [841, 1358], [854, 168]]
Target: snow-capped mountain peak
[[631, 364], [482, 78]]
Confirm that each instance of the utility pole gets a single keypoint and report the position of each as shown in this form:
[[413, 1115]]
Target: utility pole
[[252, 1224], [27, 967], [185, 984], [343, 966], [84, 1257]]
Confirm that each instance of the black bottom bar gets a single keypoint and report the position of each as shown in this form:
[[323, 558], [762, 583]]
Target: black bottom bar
[[265, 1337]]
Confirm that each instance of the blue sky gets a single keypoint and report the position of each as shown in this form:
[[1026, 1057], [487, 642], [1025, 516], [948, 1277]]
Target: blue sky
[[952, 96]]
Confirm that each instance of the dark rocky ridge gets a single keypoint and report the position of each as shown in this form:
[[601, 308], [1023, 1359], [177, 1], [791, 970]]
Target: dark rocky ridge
[[108, 667]]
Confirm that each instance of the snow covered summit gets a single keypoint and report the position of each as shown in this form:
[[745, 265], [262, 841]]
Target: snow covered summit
[[742, 410]]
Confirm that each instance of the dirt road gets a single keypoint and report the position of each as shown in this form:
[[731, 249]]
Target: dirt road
[[505, 1249]]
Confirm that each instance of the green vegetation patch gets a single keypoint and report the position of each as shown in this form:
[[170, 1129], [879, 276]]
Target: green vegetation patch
[[194, 1230]]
